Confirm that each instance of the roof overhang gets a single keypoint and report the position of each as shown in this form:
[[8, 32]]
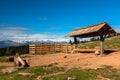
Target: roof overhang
[[91, 31]]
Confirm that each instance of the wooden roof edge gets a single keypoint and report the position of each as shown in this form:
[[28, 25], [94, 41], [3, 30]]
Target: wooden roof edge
[[100, 25], [111, 28], [69, 35], [90, 26]]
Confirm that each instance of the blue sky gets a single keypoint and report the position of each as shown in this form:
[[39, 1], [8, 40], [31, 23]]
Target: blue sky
[[53, 19]]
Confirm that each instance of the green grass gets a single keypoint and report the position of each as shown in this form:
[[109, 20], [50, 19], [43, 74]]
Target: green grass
[[85, 74], [89, 74], [109, 43], [3, 58], [80, 74], [38, 71], [109, 72]]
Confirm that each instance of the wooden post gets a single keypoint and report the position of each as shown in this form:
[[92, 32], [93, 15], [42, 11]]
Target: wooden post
[[75, 42], [101, 45]]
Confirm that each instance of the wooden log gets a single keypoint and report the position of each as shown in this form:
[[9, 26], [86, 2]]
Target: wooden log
[[16, 61], [10, 59], [21, 61]]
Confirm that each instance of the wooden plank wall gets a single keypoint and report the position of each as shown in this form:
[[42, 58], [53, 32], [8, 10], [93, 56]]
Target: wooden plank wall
[[50, 48]]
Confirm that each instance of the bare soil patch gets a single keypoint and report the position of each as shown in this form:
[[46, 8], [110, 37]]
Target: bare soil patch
[[76, 60], [7, 64]]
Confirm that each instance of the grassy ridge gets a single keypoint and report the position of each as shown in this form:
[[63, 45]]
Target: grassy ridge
[[109, 43]]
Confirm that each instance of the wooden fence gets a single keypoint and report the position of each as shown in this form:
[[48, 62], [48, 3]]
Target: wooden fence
[[50, 48]]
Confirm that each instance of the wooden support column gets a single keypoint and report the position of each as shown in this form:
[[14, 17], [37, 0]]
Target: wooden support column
[[75, 42], [101, 45]]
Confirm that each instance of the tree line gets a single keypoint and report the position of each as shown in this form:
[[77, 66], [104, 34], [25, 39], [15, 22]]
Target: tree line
[[95, 38], [105, 36], [12, 50]]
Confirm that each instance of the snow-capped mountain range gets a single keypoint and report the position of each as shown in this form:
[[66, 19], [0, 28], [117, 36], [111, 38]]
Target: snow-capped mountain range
[[7, 43]]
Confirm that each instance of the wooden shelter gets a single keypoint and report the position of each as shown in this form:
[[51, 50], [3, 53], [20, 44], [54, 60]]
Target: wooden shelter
[[91, 31]]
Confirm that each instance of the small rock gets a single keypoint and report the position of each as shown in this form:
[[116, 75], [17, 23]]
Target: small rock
[[9, 70], [39, 78], [54, 63], [44, 65], [25, 74], [78, 59], [97, 53], [65, 56], [71, 78]]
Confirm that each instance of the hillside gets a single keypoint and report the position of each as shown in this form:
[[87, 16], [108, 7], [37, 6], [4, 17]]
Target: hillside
[[60, 66], [109, 43]]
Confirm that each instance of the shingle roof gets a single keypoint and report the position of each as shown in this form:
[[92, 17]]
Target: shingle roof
[[91, 31]]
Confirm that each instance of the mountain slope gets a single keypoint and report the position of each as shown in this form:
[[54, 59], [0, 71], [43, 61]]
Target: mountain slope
[[109, 43], [7, 43]]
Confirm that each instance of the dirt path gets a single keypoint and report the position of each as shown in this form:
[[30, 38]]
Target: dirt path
[[78, 60], [7, 64]]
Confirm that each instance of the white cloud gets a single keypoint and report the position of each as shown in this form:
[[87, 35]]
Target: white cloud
[[19, 33], [44, 37]]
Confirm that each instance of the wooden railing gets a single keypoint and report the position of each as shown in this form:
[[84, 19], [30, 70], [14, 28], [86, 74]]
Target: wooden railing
[[50, 48]]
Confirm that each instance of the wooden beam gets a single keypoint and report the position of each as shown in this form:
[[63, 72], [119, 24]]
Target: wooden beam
[[101, 45], [75, 42], [101, 48]]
